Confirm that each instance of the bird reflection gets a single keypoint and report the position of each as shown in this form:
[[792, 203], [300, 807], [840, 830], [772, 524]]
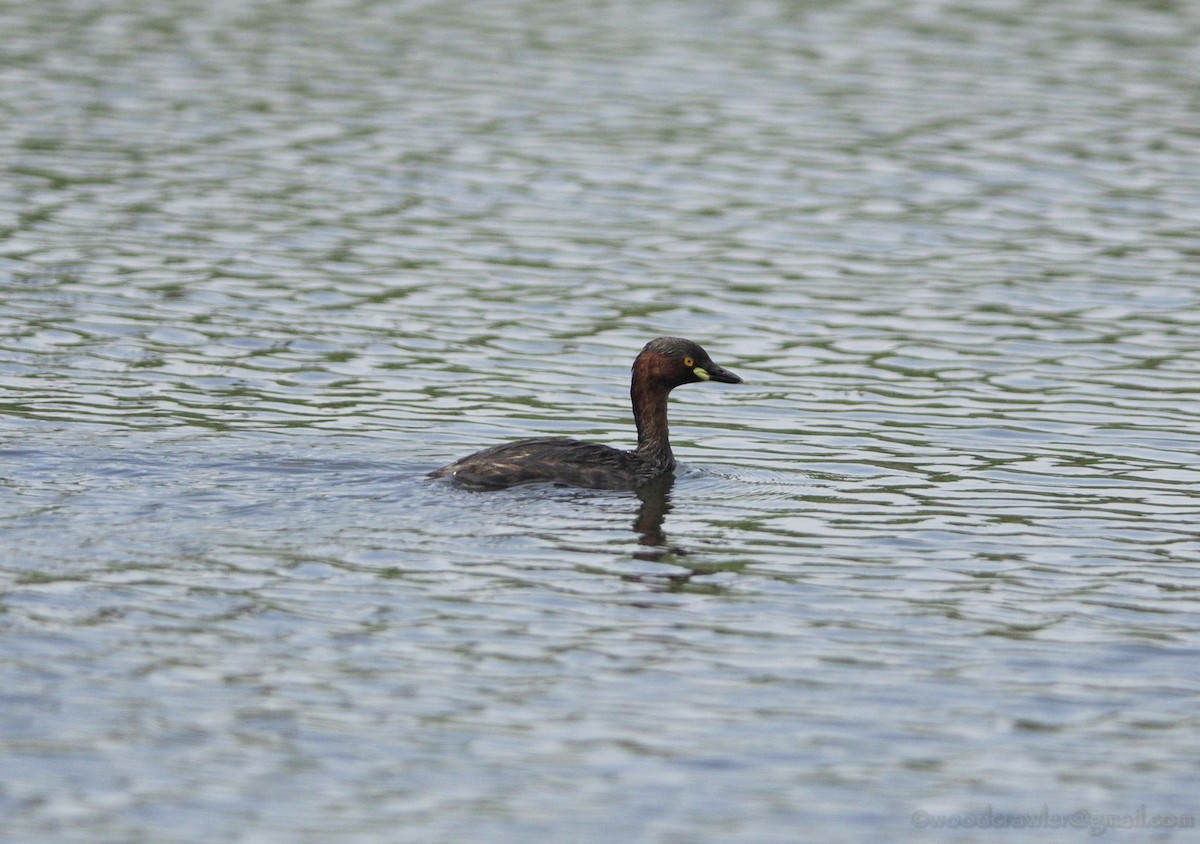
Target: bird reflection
[[656, 503], [655, 547]]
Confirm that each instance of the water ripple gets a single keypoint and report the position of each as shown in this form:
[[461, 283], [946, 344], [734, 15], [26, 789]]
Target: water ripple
[[261, 272]]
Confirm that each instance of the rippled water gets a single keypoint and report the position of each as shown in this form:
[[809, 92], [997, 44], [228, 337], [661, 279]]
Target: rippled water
[[263, 266]]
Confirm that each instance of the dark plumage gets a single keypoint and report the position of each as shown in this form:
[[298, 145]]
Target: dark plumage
[[661, 366]]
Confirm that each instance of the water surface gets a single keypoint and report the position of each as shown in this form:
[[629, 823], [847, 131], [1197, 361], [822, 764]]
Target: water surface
[[262, 268]]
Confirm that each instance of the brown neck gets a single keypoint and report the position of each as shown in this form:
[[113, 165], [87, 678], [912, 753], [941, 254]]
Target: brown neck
[[650, 414]]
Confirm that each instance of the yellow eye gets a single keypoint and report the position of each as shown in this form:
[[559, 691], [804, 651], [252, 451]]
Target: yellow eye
[[689, 362]]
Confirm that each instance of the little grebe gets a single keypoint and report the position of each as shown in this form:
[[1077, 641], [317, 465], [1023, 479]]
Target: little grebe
[[661, 366]]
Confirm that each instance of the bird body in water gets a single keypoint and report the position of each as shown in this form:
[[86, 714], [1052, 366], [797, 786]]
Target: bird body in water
[[663, 365]]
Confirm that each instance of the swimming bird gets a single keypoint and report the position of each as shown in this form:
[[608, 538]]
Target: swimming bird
[[664, 364]]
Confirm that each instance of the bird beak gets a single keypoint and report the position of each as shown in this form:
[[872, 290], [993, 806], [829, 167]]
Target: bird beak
[[712, 372]]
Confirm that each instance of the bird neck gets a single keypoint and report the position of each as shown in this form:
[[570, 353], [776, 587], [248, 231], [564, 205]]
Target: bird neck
[[650, 415]]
